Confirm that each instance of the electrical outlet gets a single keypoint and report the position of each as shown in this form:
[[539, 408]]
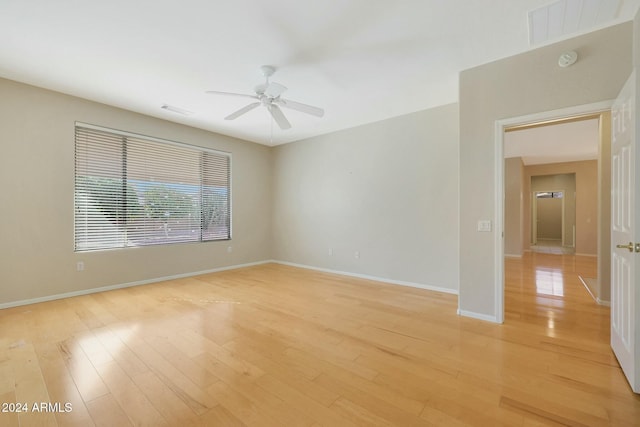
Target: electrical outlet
[[229, 249], [330, 251], [80, 266], [357, 254]]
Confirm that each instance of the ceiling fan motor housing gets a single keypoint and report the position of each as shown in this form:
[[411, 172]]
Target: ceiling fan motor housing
[[267, 70]]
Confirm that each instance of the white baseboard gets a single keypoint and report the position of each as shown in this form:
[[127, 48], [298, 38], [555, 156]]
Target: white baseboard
[[513, 255], [589, 290], [478, 316], [215, 270], [124, 285], [367, 277], [592, 255]]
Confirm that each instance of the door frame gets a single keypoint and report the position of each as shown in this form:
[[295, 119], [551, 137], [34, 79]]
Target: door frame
[[534, 215], [499, 127]]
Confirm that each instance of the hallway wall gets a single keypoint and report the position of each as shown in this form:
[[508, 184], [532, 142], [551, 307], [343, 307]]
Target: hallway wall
[[549, 217]]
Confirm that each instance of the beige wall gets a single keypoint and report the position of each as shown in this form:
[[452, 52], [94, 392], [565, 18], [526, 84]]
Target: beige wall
[[546, 178], [37, 171], [512, 87], [549, 217], [513, 206], [388, 190]]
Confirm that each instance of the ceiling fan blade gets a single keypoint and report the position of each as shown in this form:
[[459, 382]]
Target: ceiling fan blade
[[309, 109], [279, 117], [241, 111], [274, 90], [215, 92]]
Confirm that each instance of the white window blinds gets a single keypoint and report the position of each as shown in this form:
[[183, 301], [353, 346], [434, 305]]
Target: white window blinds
[[135, 191]]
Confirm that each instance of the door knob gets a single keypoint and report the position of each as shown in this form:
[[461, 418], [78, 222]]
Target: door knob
[[631, 247]]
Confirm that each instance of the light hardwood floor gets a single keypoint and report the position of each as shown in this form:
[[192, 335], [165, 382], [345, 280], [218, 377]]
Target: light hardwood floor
[[278, 346]]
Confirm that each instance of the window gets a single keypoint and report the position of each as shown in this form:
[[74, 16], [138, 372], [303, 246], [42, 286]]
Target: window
[[132, 190], [549, 195]]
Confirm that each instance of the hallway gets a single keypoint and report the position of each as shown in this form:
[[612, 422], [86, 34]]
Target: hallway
[[543, 291], [546, 302], [552, 247], [545, 297]]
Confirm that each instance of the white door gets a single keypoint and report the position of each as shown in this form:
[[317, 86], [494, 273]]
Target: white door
[[625, 277]]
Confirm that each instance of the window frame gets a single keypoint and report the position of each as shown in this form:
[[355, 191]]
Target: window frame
[[156, 140]]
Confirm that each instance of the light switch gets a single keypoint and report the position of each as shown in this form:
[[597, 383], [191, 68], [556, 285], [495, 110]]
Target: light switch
[[484, 225]]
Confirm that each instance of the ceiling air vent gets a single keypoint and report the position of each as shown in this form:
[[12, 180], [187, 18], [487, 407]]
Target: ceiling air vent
[[565, 17], [175, 109]]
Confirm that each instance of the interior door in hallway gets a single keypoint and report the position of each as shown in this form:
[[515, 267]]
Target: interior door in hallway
[[625, 274]]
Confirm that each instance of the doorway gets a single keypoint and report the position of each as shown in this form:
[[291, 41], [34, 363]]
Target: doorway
[[553, 213], [548, 218], [504, 178], [557, 221]]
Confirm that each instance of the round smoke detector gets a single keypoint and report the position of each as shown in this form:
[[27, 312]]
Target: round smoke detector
[[567, 59]]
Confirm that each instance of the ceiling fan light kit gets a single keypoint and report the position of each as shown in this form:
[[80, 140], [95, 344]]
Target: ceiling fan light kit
[[268, 95]]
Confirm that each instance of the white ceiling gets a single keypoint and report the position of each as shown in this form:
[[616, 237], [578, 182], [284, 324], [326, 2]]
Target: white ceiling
[[563, 142], [361, 60]]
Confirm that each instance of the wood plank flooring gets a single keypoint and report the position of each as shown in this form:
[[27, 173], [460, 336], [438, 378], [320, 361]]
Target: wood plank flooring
[[273, 345]]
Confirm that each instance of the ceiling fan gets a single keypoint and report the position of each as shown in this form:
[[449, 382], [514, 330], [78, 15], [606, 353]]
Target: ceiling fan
[[268, 95]]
